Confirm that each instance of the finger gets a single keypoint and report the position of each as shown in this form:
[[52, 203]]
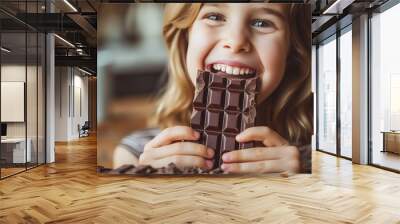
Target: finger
[[269, 166], [264, 134], [172, 134], [252, 155], [287, 174], [183, 161], [182, 148]]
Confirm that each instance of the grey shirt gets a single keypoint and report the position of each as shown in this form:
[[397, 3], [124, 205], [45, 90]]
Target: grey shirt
[[136, 141]]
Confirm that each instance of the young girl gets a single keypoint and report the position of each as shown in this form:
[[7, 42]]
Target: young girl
[[272, 40]]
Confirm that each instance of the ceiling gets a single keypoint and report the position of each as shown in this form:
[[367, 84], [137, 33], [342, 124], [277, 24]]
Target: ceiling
[[76, 22]]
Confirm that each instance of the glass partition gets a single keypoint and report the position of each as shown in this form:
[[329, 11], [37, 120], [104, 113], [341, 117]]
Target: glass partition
[[22, 88], [41, 88], [13, 103], [31, 100]]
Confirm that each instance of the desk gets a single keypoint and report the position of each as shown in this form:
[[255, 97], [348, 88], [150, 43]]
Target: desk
[[391, 141], [13, 150]]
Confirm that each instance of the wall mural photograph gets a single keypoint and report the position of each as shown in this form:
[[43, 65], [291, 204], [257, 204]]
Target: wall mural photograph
[[190, 88]]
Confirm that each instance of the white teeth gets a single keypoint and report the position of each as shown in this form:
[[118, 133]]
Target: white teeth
[[223, 68], [232, 70], [236, 71], [229, 69]]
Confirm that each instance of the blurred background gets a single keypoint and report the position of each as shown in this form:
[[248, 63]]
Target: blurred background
[[131, 70]]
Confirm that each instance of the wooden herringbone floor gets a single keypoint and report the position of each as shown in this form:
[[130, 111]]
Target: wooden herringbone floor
[[70, 191]]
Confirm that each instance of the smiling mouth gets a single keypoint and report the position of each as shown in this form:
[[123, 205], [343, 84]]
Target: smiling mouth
[[231, 70]]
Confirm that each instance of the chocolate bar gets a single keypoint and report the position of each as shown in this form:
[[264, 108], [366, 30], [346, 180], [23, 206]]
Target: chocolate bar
[[223, 106]]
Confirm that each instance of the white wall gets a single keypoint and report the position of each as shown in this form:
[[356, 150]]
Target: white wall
[[61, 103], [12, 73], [16, 73], [81, 100], [71, 92], [33, 126]]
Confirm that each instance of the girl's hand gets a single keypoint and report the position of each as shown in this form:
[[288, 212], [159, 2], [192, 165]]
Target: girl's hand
[[276, 157], [169, 147]]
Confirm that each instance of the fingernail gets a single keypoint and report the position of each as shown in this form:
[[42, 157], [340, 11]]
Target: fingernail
[[238, 137], [225, 157], [210, 152], [224, 166], [209, 163]]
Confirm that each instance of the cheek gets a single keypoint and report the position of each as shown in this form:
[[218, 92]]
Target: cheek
[[273, 60], [198, 47]]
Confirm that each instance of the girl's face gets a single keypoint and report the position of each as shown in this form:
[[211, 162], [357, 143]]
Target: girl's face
[[240, 39]]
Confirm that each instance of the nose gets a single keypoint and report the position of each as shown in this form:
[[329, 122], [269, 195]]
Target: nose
[[237, 41]]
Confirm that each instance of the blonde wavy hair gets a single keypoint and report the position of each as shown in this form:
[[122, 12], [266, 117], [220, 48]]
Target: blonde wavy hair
[[291, 104]]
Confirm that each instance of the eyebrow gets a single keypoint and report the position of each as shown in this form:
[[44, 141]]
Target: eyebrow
[[273, 12], [264, 9], [215, 4]]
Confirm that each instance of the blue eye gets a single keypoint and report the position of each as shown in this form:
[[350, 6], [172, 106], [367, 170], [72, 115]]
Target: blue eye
[[261, 23], [215, 17]]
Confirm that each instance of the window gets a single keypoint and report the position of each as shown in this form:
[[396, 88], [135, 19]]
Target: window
[[335, 137], [385, 89], [346, 92], [327, 96]]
